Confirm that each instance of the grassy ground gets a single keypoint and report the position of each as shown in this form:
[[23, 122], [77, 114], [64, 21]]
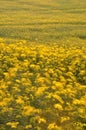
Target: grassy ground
[[42, 20]]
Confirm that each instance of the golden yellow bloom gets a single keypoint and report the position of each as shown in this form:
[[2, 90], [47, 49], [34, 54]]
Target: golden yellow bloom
[[58, 106], [53, 126], [19, 100], [12, 124]]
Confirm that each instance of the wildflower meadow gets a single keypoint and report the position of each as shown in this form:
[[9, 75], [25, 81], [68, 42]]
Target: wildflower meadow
[[42, 87], [42, 64]]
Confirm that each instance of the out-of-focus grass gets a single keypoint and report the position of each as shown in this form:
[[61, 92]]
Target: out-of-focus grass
[[42, 20]]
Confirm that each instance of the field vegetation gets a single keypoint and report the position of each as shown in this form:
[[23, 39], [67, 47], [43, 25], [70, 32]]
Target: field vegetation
[[43, 87], [42, 65], [42, 20]]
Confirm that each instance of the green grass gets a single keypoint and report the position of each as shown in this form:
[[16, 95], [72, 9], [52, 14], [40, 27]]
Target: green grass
[[42, 20]]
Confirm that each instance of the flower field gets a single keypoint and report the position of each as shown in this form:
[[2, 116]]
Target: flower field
[[42, 86]]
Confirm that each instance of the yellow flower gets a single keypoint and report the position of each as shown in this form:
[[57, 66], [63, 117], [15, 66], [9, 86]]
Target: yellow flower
[[58, 106], [63, 119], [19, 100], [58, 98], [76, 101], [53, 126], [12, 124], [28, 126], [29, 110], [41, 120]]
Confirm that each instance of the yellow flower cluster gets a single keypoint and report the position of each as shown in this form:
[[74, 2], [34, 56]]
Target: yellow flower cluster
[[42, 87]]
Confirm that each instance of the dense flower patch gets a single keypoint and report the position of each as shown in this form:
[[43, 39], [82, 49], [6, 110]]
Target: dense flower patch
[[42, 87]]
